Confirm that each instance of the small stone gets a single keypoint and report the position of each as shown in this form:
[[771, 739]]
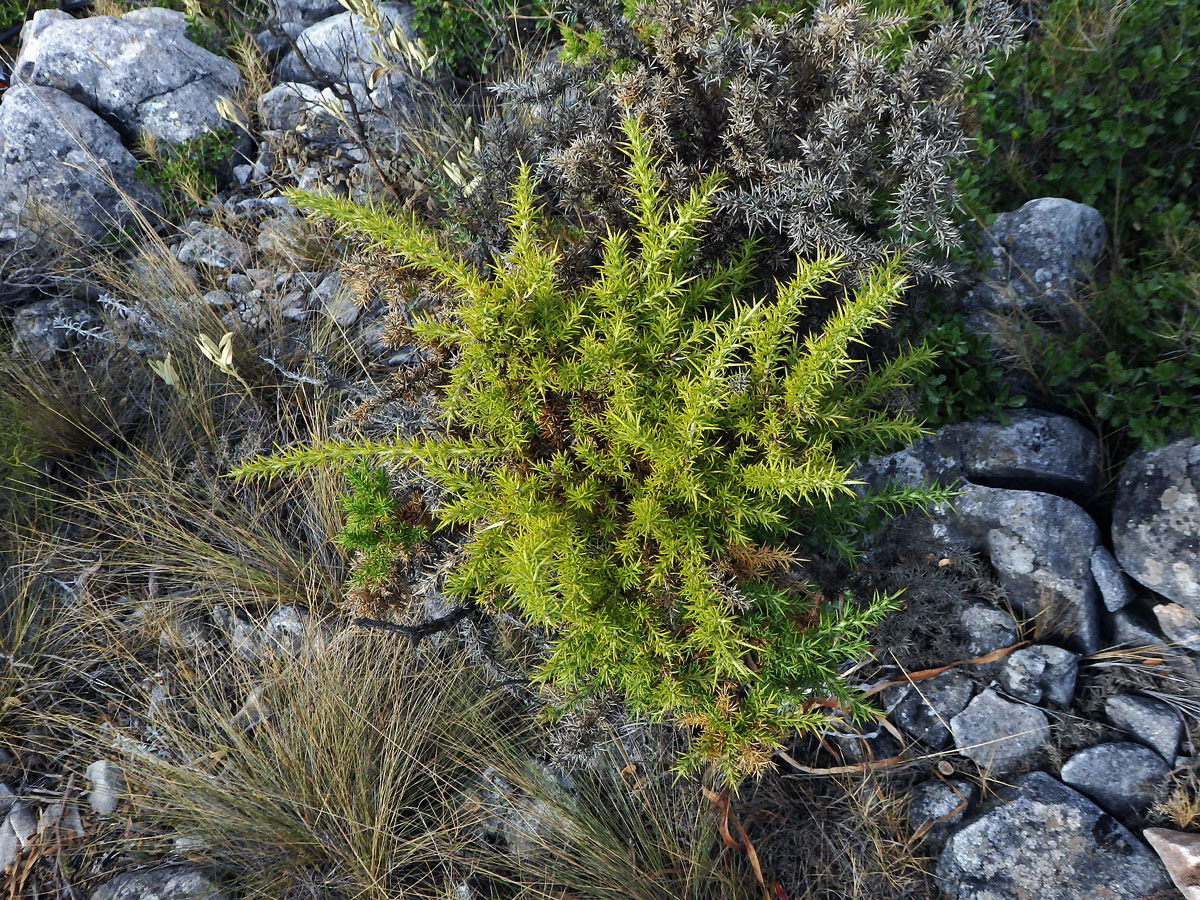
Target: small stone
[[108, 785], [1180, 853], [218, 299], [284, 106], [9, 846], [239, 283], [937, 806], [925, 707], [987, 629], [22, 821], [175, 883], [1041, 253], [338, 302], [1180, 625], [289, 627], [1116, 589], [997, 733], [1133, 627], [212, 247], [60, 820], [35, 329], [1124, 778], [304, 11], [1153, 722], [1045, 841], [284, 238], [1041, 673]]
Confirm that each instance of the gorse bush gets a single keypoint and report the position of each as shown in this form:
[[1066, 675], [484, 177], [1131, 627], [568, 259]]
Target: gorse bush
[[378, 527], [625, 464], [835, 140]]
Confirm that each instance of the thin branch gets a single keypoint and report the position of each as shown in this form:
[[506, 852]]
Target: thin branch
[[418, 633]]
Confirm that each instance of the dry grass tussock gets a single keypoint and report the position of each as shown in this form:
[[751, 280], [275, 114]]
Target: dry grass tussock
[[348, 784]]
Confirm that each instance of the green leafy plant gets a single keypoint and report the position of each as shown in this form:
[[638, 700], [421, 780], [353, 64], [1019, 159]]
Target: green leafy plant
[[1134, 367], [465, 35], [186, 173], [1098, 106], [627, 463], [378, 527], [966, 381], [14, 12]]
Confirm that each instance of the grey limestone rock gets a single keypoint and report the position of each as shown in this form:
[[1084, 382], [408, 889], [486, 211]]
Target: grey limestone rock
[[924, 709], [1116, 589], [1040, 254], [1122, 777], [1154, 723], [307, 12], [1035, 451], [66, 180], [209, 246], [1041, 674], [936, 807], [987, 629], [997, 733], [1156, 521], [173, 883], [338, 49], [1048, 842], [1041, 547], [1132, 626], [145, 76]]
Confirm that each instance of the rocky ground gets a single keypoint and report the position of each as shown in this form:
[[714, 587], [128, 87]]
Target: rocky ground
[[1054, 704]]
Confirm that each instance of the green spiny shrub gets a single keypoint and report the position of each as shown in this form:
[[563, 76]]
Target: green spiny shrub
[[625, 464], [835, 140], [378, 527]]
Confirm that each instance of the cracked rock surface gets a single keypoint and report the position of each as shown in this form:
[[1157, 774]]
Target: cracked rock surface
[[1156, 521], [139, 75], [1048, 842]]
